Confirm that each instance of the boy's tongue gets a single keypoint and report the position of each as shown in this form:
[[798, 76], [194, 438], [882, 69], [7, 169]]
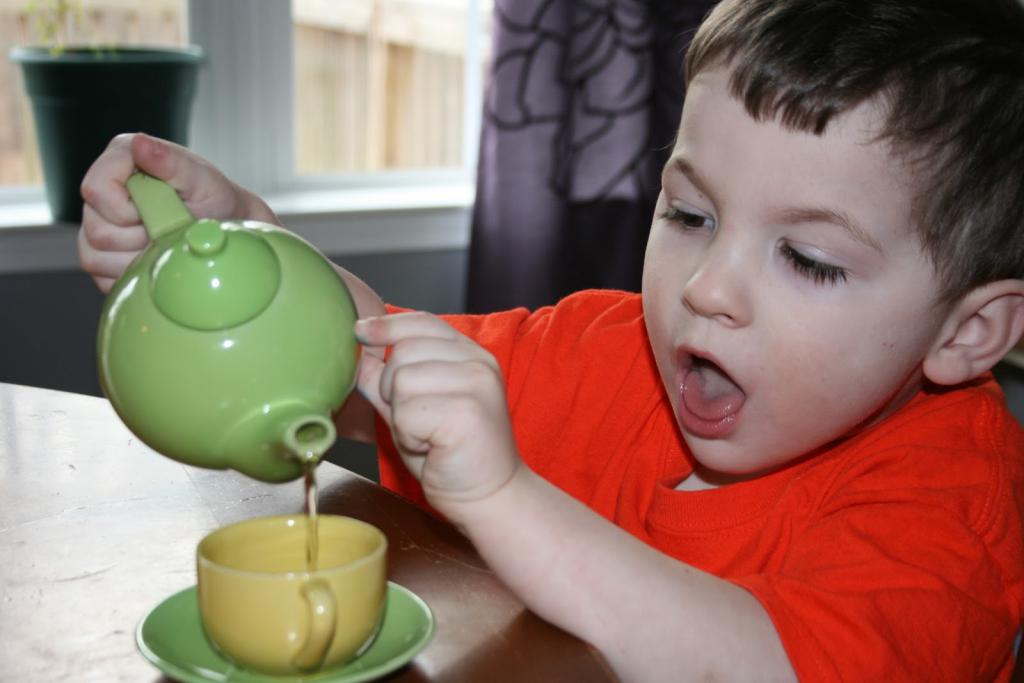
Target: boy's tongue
[[709, 393]]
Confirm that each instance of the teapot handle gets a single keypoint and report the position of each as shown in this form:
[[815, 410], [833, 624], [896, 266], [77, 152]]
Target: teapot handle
[[159, 205]]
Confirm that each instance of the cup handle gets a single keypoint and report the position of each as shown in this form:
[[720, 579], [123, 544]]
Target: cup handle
[[322, 621]]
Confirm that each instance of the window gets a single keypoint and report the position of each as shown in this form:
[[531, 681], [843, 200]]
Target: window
[[321, 95], [100, 22], [379, 84], [308, 95]]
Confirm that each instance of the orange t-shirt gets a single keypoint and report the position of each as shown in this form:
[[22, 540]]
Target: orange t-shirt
[[896, 555]]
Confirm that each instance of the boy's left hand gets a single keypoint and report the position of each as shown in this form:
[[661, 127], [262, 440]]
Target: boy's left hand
[[443, 396]]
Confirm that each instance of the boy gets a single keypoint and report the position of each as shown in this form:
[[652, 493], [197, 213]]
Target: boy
[[808, 469]]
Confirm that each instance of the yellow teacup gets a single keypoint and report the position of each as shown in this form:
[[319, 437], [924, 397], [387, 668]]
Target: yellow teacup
[[262, 609]]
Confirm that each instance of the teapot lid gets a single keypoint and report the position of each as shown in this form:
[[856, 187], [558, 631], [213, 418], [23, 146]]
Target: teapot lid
[[211, 275], [215, 276]]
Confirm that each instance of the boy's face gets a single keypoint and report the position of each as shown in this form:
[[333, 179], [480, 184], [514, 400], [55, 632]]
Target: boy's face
[[786, 299]]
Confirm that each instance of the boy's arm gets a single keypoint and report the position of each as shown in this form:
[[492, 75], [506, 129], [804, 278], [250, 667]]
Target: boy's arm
[[355, 419], [653, 617]]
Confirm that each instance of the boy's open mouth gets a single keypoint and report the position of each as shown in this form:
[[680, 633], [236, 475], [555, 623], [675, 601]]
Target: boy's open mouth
[[711, 398]]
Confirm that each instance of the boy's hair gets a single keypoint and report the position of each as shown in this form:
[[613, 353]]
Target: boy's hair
[[951, 76]]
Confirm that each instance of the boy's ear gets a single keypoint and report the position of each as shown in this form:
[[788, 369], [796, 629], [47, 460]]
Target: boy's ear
[[978, 331]]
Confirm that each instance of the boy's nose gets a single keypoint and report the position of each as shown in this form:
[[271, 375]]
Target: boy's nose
[[719, 288]]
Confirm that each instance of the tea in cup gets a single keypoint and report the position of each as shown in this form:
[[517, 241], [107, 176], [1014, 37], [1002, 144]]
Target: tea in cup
[[264, 609]]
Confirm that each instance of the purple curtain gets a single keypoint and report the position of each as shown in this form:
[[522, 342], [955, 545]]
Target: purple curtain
[[581, 109]]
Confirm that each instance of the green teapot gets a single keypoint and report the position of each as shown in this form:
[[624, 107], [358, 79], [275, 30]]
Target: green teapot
[[227, 344]]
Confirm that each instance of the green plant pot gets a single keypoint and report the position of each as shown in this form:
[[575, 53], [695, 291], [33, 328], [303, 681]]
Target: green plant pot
[[82, 97]]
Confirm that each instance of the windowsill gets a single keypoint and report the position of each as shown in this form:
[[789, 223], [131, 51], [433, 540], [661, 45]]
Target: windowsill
[[1015, 358], [372, 199], [25, 215], [338, 222]]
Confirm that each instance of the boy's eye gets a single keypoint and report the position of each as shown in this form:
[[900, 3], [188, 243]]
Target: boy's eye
[[820, 273], [688, 219]]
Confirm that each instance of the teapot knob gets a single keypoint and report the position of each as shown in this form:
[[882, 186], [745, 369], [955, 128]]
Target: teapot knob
[[205, 237], [214, 275]]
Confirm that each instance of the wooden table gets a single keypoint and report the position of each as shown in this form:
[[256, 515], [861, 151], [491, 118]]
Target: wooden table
[[96, 529]]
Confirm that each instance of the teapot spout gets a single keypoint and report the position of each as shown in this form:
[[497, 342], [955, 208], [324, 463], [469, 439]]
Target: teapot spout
[[307, 437]]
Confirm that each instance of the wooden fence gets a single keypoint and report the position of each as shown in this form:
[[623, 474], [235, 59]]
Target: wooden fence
[[367, 105], [362, 102]]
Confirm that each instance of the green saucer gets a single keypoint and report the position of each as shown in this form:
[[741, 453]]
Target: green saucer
[[171, 637]]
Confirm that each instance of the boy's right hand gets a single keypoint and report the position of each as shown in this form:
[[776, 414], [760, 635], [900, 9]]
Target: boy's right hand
[[112, 233]]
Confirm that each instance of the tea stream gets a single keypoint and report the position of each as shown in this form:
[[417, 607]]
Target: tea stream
[[312, 526]]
